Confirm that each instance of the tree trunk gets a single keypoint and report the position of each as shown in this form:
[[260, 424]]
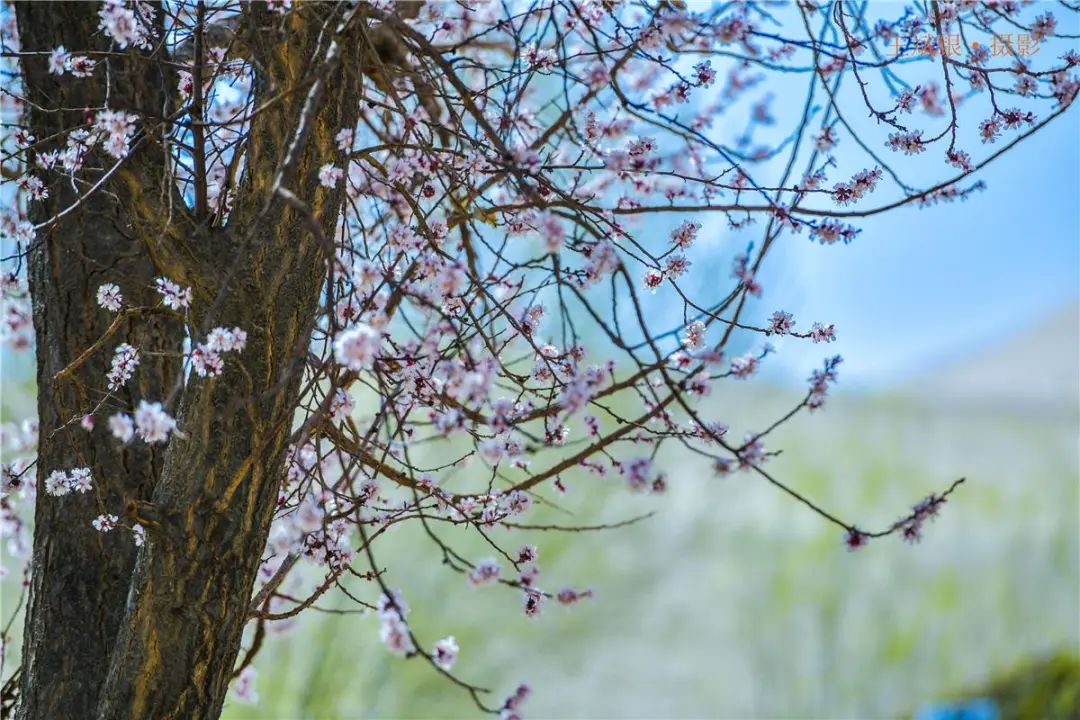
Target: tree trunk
[[213, 506], [217, 494], [110, 634], [80, 576]]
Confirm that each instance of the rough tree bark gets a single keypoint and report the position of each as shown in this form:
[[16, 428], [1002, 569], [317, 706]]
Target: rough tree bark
[[80, 576], [108, 634], [218, 490]]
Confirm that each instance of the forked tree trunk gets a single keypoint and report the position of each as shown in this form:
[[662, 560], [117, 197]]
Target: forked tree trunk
[[218, 491], [103, 640]]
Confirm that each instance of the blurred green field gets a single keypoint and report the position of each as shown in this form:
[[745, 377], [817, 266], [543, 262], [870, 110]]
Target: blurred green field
[[734, 601]]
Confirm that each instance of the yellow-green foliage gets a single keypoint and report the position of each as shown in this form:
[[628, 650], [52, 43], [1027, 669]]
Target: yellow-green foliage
[[1044, 690]]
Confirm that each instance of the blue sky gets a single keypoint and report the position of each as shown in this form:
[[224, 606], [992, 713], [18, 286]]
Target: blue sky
[[918, 287]]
